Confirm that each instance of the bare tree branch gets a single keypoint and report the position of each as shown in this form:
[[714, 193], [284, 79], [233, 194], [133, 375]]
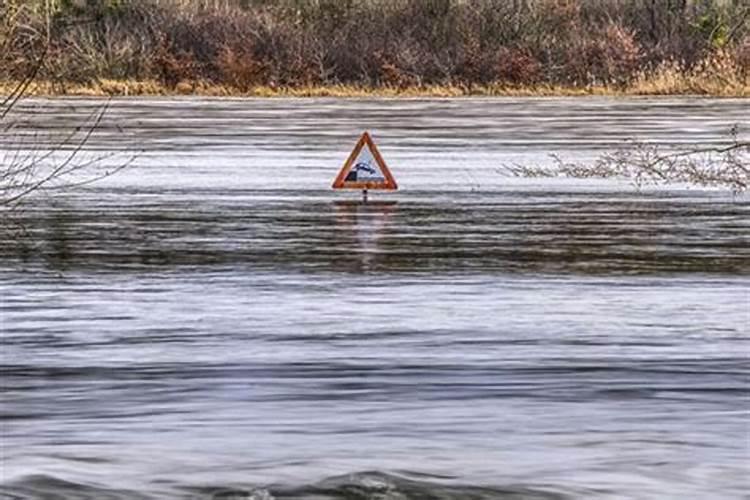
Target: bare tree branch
[[28, 166], [642, 163]]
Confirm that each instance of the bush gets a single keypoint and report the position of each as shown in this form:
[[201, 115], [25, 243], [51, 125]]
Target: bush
[[395, 43]]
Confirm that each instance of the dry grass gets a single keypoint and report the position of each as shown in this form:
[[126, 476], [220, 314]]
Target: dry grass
[[716, 75], [720, 74], [667, 79]]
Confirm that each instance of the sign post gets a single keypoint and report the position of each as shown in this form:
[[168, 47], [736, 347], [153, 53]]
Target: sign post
[[365, 169]]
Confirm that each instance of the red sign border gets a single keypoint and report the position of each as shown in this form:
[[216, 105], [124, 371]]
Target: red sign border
[[389, 183]]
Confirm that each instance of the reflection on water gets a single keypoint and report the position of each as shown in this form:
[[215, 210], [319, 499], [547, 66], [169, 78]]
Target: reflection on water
[[364, 225], [214, 322], [513, 231]]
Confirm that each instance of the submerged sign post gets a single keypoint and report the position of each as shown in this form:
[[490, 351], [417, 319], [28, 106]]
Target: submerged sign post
[[365, 169]]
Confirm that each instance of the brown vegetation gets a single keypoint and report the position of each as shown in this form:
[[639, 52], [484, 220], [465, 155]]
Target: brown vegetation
[[443, 47], [726, 166]]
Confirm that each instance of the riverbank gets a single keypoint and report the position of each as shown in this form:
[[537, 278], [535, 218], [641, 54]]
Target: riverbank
[[663, 83]]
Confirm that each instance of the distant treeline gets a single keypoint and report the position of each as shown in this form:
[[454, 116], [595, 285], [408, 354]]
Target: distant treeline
[[242, 44]]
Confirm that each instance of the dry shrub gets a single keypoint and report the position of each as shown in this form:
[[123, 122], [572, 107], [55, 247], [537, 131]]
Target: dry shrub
[[172, 65], [22, 40], [609, 57], [391, 75], [517, 66], [280, 48], [476, 65], [621, 54], [239, 68], [718, 73], [742, 56], [400, 68]]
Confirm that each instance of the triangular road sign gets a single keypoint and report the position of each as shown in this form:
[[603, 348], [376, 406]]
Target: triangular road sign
[[365, 168]]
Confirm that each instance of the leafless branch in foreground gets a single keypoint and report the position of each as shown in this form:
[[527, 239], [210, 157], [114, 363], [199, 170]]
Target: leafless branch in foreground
[[32, 162], [726, 166]]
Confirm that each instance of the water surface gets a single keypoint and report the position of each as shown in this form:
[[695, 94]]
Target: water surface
[[214, 322]]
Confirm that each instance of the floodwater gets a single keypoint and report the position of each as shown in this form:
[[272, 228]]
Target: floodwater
[[215, 322]]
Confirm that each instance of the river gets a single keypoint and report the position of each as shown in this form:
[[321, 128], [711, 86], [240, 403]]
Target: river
[[214, 321]]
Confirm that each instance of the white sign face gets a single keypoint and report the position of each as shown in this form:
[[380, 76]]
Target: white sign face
[[365, 168]]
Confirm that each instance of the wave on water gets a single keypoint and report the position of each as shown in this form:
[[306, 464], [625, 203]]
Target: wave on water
[[43, 487], [357, 486]]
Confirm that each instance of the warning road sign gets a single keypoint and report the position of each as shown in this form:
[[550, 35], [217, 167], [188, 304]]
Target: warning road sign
[[365, 168]]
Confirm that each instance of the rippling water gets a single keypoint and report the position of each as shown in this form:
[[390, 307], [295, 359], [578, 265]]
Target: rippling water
[[214, 322]]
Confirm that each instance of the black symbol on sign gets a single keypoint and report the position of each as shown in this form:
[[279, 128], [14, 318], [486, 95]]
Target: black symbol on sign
[[363, 166]]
